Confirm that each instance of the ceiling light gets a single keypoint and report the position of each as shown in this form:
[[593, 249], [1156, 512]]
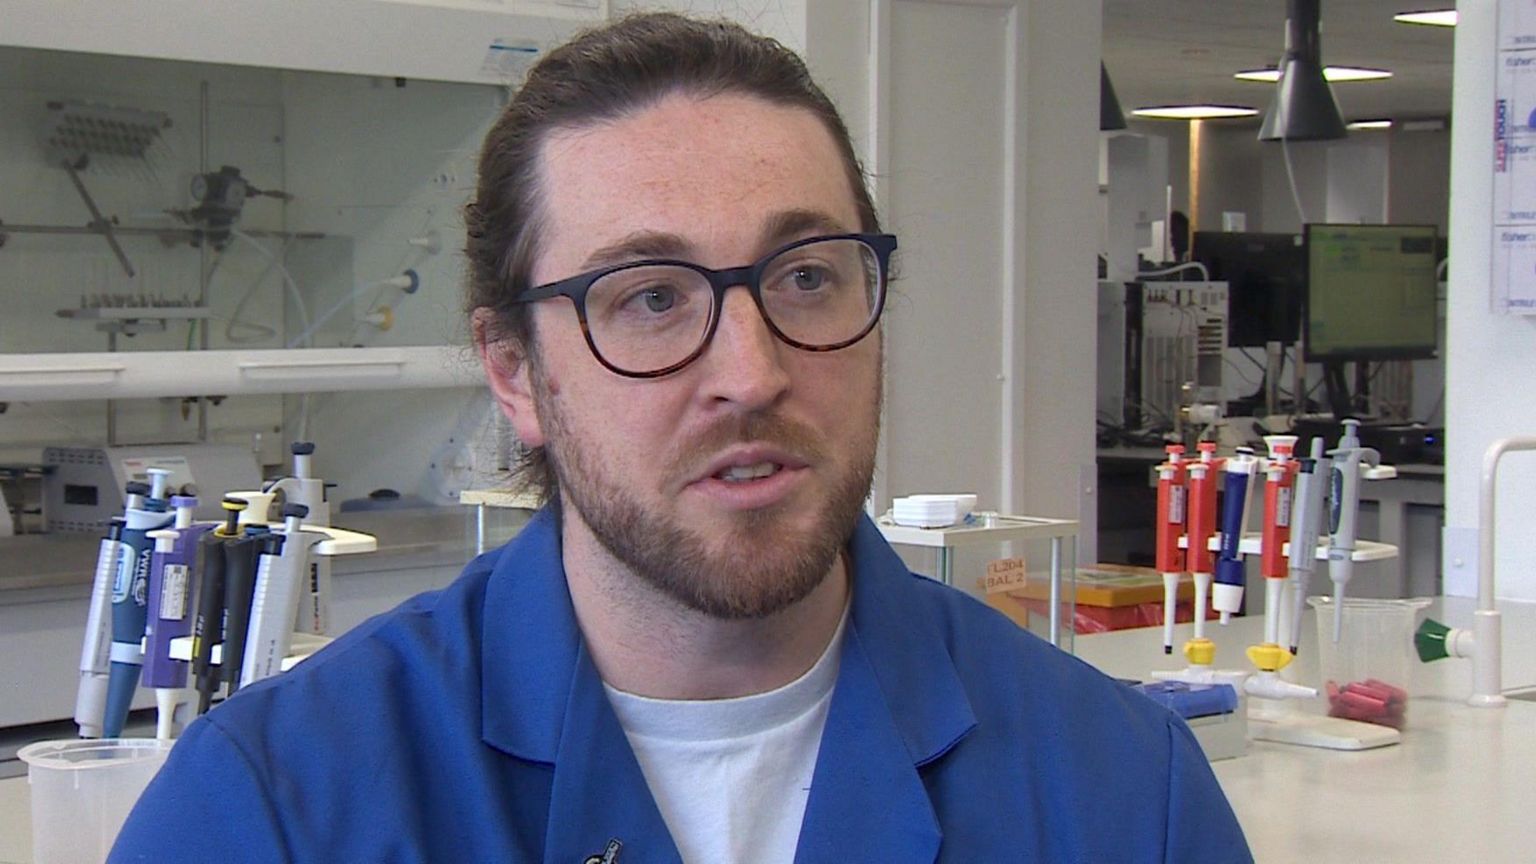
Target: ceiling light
[[1440, 18], [1369, 124], [1330, 74], [1194, 112], [1303, 108]]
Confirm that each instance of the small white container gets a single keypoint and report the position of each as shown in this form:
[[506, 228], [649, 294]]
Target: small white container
[[932, 511], [82, 790]]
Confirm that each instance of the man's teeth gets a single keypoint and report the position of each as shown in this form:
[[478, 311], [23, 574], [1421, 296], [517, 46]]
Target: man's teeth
[[741, 473]]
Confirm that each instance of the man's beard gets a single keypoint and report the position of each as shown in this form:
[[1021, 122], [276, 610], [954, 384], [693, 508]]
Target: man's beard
[[750, 572]]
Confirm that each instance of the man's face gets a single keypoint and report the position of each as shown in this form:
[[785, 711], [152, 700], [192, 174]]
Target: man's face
[[731, 485]]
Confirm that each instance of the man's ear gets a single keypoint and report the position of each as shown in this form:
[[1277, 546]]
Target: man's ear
[[507, 372]]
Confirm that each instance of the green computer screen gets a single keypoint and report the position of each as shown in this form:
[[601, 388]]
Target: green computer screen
[[1370, 292]]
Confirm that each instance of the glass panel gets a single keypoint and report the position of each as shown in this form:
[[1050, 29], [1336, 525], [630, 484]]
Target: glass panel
[[273, 208]]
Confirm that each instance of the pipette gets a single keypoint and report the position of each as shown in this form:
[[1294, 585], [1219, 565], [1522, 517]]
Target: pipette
[[1171, 494], [1344, 512], [1202, 524], [130, 597], [314, 615], [281, 576], [239, 587], [208, 626], [172, 587], [1227, 593], [1312, 478], [95, 651], [1279, 476]]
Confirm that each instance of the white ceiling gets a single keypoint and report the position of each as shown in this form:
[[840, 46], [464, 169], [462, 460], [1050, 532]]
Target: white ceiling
[[1160, 52]]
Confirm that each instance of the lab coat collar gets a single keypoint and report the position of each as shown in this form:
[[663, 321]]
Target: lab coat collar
[[899, 704]]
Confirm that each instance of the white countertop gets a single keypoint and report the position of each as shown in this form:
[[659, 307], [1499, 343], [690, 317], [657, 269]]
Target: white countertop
[[1460, 787]]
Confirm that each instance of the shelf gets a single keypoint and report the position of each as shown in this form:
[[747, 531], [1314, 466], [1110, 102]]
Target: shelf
[[1252, 544], [987, 528]]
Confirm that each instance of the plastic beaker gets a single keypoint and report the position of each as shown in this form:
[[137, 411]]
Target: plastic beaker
[[1365, 673], [82, 790]]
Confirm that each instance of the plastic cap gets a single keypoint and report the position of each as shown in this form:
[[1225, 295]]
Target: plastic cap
[[1200, 652], [295, 510], [302, 448], [1269, 657], [234, 504], [137, 488], [253, 530], [1429, 641], [180, 501]]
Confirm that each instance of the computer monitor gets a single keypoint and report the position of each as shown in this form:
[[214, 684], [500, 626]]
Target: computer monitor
[[1370, 292], [1266, 276]]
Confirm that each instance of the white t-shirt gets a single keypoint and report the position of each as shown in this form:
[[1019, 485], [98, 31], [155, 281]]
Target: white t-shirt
[[731, 776]]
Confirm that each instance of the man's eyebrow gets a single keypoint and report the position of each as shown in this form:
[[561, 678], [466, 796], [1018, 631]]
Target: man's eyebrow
[[779, 228], [793, 224], [637, 246]]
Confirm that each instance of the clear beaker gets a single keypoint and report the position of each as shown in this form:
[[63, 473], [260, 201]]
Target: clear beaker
[[82, 790], [1365, 674]]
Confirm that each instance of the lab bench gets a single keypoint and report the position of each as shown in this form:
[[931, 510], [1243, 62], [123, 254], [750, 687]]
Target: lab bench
[[1458, 787]]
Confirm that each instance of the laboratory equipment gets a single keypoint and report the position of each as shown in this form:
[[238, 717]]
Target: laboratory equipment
[[82, 791], [303, 487], [1344, 512], [208, 625], [281, 577], [1279, 483], [1202, 564], [1312, 478], [1484, 644], [130, 598], [84, 484], [239, 589], [172, 592], [1227, 592], [95, 651], [1158, 344], [1366, 673], [1266, 277], [1172, 514]]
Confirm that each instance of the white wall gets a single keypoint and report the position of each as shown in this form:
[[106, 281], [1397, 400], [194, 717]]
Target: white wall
[[1490, 356]]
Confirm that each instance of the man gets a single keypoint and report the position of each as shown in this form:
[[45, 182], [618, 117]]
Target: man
[[700, 650]]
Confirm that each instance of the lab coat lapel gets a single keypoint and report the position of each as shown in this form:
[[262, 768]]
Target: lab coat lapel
[[543, 701], [867, 802], [600, 796], [899, 705]]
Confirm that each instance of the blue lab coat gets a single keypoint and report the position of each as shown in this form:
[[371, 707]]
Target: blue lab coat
[[470, 725]]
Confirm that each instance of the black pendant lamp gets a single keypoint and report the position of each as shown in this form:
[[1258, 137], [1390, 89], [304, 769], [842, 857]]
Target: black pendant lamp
[[1304, 108], [1111, 117]]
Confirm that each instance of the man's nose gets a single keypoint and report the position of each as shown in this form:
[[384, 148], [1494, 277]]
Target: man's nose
[[745, 360]]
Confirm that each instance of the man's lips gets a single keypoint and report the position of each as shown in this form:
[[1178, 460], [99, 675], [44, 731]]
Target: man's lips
[[748, 462]]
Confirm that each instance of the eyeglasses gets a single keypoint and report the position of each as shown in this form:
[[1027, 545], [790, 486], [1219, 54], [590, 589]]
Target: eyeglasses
[[646, 319]]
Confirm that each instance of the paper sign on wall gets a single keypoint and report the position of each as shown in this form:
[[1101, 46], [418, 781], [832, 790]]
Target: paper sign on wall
[[1514, 160]]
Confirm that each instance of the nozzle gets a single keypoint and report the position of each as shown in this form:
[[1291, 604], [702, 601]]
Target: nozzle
[[1430, 641], [158, 478]]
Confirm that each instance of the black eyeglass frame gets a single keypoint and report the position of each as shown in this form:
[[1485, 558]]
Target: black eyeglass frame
[[750, 276]]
